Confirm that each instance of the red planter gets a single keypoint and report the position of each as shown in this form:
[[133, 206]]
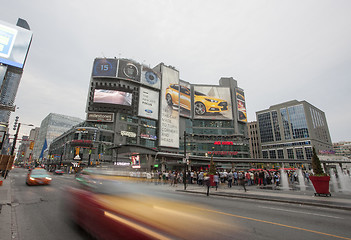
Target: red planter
[[321, 184]]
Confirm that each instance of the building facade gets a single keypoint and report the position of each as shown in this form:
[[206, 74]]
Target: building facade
[[254, 140], [15, 43], [290, 130], [51, 127], [154, 119]]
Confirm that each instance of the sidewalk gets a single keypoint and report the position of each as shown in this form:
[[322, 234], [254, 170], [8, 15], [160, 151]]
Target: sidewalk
[[5, 208], [338, 200]]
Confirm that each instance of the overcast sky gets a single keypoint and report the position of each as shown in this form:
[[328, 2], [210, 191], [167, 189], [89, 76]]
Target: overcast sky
[[277, 50]]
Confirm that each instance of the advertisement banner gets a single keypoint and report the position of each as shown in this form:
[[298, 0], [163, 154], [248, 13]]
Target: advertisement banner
[[212, 102], [105, 67], [150, 77], [100, 117], [14, 44], [128, 70], [148, 103], [135, 161], [185, 99], [240, 99], [169, 122]]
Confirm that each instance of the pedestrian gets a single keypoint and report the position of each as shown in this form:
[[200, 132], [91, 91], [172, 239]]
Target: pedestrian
[[248, 178], [230, 179], [235, 176], [260, 177], [216, 179], [241, 178]]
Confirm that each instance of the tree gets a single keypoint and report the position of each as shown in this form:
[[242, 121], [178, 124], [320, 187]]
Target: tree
[[316, 165]]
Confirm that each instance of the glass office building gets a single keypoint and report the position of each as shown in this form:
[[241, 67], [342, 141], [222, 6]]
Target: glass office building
[[290, 130]]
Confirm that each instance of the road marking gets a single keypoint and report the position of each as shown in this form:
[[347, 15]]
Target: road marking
[[273, 223], [285, 210]]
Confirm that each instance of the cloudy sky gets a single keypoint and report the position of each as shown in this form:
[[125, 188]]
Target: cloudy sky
[[277, 50]]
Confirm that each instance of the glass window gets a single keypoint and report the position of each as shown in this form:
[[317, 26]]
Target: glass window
[[298, 121], [265, 154], [299, 153], [272, 154], [308, 151], [290, 152], [280, 153], [266, 132], [276, 126]]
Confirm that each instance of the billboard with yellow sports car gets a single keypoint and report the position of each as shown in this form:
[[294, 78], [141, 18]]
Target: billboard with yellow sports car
[[240, 99], [212, 102]]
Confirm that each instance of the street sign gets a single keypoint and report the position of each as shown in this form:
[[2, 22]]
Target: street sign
[[77, 157]]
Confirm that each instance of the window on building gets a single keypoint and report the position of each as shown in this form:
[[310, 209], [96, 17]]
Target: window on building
[[280, 153], [272, 154], [308, 151], [265, 154], [290, 152], [265, 123], [299, 153], [298, 121], [276, 126]]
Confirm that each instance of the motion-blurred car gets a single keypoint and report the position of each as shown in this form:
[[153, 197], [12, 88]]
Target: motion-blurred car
[[202, 103], [38, 176], [112, 207], [59, 172]]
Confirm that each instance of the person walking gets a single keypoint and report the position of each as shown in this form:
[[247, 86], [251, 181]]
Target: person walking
[[241, 178], [230, 179], [216, 179]]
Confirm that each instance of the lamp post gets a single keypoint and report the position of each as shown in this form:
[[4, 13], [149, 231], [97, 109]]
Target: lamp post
[[16, 136]]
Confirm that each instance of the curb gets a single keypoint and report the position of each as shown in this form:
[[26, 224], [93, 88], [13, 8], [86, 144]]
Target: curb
[[270, 199]]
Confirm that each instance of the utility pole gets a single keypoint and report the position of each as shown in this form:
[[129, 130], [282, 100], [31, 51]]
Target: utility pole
[[185, 160], [15, 139]]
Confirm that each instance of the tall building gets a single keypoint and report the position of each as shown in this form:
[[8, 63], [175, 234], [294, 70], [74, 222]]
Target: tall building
[[153, 118], [254, 140], [14, 47], [290, 130], [51, 127]]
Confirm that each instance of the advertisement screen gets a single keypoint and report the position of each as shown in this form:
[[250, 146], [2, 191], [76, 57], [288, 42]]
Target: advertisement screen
[[148, 103], [240, 99], [150, 77], [169, 122], [105, 67], [212, 103], [185, 99], [112, 97], [14, 44], [135, 161], [128, 70]]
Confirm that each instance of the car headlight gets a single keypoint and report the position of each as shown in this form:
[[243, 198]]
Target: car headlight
[[211, 100], [32, 178], [48, 178]]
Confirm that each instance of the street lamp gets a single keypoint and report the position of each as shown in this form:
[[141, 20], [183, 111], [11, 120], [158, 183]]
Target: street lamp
[[16, 135]]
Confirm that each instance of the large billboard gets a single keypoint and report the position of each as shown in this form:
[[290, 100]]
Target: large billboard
[[112, 97], [105, 67], [212, 102], [14, 44], [128, 70], [148, 103], [240, 100], [184, 99], [169, 122], [150, 77]]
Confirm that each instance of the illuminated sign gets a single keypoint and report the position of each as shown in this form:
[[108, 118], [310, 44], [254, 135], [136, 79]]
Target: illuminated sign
[[100, 117], [128, 134], [223, 143], [222, 153], [135, 161]]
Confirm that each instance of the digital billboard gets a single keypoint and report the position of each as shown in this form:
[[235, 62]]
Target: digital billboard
[[184, 99], [128, 70], [14, 44], [148, 103], [169, 122], [112, 97], [240, 99], [212, 102], [105, 67], [150, 77]]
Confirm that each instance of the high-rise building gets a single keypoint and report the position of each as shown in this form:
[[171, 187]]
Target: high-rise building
[[290, 130], [254, 140], [51, 127], [15, 43]]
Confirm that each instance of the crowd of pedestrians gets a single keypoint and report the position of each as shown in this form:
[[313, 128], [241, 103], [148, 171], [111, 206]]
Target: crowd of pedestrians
[[228, 178]]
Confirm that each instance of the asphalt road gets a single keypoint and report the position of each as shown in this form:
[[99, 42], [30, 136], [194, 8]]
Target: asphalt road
[[39, 214]]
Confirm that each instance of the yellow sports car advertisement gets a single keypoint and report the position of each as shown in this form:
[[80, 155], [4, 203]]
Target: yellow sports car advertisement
[[240, 99], [212, 103]]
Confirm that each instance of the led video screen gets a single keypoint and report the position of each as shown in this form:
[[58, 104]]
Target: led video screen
[[112, 97]]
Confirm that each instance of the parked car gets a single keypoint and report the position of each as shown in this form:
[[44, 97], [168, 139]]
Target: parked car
[[59, 172], [38, 176]]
